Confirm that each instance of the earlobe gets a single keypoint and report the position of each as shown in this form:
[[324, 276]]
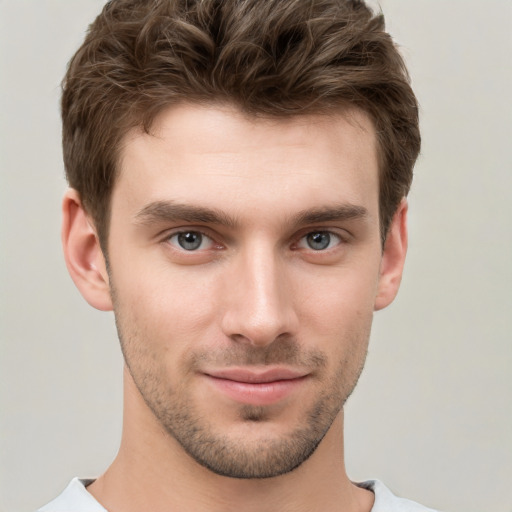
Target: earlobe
[[393, 258], [83, 254]]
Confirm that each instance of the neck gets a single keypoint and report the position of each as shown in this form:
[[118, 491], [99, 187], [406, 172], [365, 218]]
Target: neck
[[153, 472]]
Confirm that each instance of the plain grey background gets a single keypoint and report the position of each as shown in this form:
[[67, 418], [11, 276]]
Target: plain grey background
[[431, 416]]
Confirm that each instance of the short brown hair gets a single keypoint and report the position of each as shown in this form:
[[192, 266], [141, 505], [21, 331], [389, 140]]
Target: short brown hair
[[267, 57]]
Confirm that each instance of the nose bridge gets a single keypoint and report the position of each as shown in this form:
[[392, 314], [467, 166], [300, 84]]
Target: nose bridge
[[260, 305]]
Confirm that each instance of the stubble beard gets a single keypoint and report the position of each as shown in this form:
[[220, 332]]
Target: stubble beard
[[234, 458]]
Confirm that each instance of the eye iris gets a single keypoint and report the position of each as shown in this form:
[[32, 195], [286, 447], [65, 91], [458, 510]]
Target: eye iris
[[319, 240], [190, 240]]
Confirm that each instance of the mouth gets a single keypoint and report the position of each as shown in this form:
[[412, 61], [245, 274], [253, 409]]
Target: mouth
[[263, 386]]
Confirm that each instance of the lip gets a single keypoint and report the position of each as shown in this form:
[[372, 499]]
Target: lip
[[256, 386]]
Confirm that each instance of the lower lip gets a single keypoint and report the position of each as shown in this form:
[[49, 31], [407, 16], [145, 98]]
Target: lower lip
[[264, 393]]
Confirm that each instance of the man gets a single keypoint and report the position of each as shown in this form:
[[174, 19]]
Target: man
[[238, 174]]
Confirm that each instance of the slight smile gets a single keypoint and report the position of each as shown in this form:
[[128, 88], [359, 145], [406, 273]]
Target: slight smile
[[255, 387]]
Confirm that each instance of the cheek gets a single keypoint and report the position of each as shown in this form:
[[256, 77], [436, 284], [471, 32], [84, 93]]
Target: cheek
[[169, 307], [339, 299], [338, 316]]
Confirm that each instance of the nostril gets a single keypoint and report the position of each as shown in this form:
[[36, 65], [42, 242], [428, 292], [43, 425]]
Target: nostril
[[259, 305], [259, 330]]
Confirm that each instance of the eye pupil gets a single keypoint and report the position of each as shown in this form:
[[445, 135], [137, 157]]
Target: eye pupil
[[190, 240], [319, 240]]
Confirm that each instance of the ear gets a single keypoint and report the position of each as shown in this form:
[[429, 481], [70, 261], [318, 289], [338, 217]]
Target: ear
[[393, 258], [83, 254]]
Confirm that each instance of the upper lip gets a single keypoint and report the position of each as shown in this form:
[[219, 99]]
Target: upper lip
[[257, 375]]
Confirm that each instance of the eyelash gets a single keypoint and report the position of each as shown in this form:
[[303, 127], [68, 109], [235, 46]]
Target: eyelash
[[295, 245], [176, 234], [322, 232]]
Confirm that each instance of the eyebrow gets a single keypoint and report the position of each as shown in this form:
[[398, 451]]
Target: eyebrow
[[171, 211], [341, 212]]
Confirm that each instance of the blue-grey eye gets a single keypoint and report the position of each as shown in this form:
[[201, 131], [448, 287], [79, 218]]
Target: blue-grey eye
[[190, 240], [318, 240]]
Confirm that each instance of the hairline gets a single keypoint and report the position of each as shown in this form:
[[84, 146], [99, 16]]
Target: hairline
[[145, 125]]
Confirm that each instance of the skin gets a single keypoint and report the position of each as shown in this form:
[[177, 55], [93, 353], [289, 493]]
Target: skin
[[259, 293]]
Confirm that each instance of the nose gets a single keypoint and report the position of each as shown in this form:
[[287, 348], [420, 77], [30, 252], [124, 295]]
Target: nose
[[258, 298]]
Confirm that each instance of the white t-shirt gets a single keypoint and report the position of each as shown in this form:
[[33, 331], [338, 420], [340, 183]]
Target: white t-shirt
[[75, 498]]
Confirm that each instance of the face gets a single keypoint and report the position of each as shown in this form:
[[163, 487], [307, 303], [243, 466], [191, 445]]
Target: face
[[244, 266]]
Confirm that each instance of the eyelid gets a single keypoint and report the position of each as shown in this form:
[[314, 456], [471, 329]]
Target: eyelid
[[334, 241], [341, 234], [174, 232]]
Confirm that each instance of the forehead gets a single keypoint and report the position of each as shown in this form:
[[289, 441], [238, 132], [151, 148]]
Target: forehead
[[215, 154]]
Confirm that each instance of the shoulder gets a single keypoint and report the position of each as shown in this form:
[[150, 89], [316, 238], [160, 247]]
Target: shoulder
[[74, 498], [386, 501]]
